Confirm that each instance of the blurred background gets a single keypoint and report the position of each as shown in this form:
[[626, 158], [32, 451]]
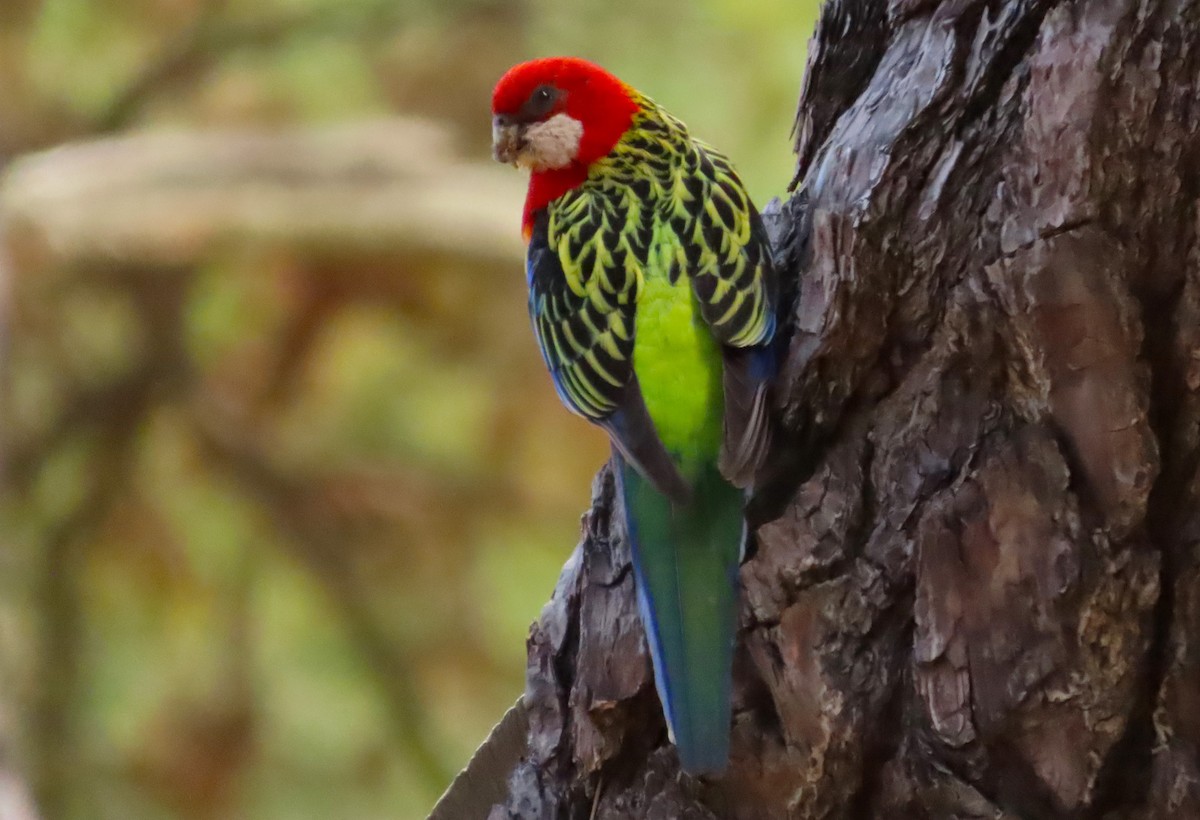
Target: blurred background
[[284, 482]]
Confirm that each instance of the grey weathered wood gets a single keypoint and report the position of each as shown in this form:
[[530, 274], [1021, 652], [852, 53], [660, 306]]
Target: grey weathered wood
[[481, 784]]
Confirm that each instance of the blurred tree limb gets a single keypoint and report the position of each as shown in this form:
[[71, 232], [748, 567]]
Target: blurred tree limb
[[173, 197], [212, 36], [16, 798], [16, 803], [320, 543], [57, 762]]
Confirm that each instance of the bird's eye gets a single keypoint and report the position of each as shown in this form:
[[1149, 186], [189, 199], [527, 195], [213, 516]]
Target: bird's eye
[[541, 100]]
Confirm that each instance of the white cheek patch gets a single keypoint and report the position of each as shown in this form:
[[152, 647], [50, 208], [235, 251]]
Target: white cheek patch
[[553, 143]]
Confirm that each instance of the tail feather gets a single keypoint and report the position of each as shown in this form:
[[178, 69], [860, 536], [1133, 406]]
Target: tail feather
[[685, 559]]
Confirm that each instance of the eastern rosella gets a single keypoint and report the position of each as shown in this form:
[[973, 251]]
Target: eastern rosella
[[653, 302]]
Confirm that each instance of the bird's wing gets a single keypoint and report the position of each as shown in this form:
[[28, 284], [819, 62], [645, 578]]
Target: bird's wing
[[583, 286], [726, 254]]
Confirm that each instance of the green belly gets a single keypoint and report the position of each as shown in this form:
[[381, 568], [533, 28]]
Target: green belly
[[678, 365]]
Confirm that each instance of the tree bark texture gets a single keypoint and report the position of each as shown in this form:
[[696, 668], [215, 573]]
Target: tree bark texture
[[976, 590]]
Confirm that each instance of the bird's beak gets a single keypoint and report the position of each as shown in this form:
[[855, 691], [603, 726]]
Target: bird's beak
[[508, 139]]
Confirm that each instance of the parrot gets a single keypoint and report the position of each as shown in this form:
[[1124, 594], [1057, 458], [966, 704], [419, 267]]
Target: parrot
[[653, 301]]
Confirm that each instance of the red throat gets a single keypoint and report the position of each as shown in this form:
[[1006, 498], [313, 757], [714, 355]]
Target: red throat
[[602, 103], [547, 186]]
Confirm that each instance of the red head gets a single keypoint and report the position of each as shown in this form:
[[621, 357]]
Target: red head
[[556, 116]]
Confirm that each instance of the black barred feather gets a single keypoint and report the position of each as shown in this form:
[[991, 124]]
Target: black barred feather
[[659, 198]]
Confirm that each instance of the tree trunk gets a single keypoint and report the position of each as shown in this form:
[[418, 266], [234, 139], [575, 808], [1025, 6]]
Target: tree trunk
[[976, 591]]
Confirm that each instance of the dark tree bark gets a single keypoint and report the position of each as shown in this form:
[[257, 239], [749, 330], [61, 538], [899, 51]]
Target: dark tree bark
[[976, 591]]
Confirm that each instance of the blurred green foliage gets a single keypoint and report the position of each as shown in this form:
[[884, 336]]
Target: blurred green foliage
[[273, 531]]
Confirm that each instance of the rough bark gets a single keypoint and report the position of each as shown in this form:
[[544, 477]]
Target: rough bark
[[978, 595]]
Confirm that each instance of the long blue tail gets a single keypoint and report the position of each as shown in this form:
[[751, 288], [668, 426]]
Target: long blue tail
[[685, 560]]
